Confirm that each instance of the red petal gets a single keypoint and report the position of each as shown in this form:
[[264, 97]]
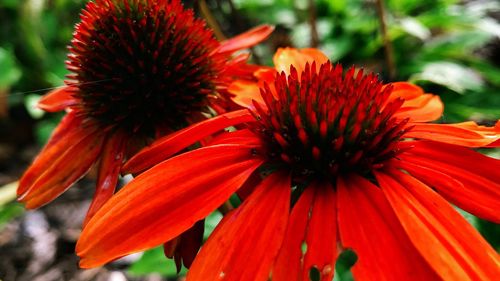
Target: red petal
[[245, 246], [167, 146], [164, 201], [72, 164], [62, 138], [109, 169], [463, 134], [478, 190], [288, 265], [444, 238], [246, 40], [321, 235], [58, 99], [368, 226]]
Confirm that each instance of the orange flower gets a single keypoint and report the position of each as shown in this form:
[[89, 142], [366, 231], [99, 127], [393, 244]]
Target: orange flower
[[140, 69], [330, 160]]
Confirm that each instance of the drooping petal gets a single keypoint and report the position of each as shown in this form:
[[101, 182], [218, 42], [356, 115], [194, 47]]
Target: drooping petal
[[167, 146], [466, 134], [109, 169], [464, 177], [64, 136], [244, 247], [321, 237], [246, 40], [434, 227], [285, 57], [73, 163], [164, 201], [58, 99], [369, 227], [288, 265]]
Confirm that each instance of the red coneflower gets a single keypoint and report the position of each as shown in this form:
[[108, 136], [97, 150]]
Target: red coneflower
[[140, 69], [345, 162]]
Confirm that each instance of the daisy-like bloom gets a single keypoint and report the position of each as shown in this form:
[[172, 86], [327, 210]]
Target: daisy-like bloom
[[140, 69], [323, 161]]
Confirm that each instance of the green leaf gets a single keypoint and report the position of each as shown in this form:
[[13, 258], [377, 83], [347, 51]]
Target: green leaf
[[9, 212], [451, 75], [154, 261], [9, 71]]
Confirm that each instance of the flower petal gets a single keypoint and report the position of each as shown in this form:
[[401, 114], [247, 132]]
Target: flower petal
[[63, 137], [464, 177], [164, 201], [288, 265], [246, 40], [167, 146], [368, 226], [58, 99], [245, 92], [109, 169], [425, 108], [245, 246], [285, 57], [321, 237], [434, 226], [73, 163], [467, 134]]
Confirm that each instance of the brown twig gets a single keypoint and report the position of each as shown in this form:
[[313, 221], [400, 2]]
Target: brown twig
[[212, 22], [312, 24], [389, 53]]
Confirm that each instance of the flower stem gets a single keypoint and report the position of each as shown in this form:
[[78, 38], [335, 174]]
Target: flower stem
[[312, 24], [389, 53]]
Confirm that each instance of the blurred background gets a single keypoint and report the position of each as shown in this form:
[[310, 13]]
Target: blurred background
[[449, 47]]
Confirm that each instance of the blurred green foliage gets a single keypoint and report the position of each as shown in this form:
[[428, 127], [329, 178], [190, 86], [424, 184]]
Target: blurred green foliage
[[444, 45]]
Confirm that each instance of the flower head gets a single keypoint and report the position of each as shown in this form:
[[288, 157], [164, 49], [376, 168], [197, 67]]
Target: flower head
[[139, 69], [331, 160]]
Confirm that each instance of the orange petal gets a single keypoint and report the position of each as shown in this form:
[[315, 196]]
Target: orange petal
[[443, 237], [478, 188], [167, 146], [58, 99], [109, 169], [405, 91], [467, 134], [164, 201], [244, 247], [321, 237], [285, 57], [246, 40], [73, 163], [369, 227], [245, 92], [425, 108], [61, 139], [288, 265]]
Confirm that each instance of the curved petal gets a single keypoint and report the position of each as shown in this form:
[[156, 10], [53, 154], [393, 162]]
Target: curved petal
[[434, 226], [109, 169], [167, 146], [425, 108], [467, 134], [245, 92], [464, 177], [288, 265], [246, 40], [369, 227], [69, 166], [321, 237], [64, 136], [58, 99], [285, 57], [245, 246], [164, 201]]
